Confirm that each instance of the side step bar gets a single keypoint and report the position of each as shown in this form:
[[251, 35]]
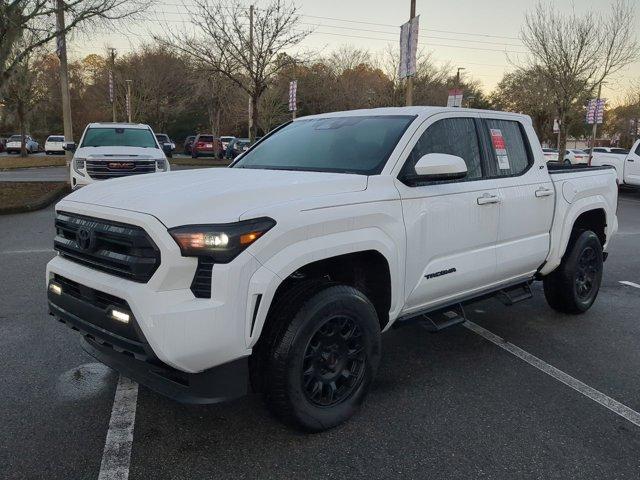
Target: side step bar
[[444, 317], [515, 294], [441, 319]]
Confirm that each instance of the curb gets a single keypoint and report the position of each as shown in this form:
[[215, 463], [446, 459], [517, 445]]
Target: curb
[[40, 203]]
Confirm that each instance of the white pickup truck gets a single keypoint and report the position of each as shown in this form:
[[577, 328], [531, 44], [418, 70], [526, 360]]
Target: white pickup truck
[[282, 271], [113, 150], [627, 166]]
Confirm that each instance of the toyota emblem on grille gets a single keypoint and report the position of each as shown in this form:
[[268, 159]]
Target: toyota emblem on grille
[[85, 238]]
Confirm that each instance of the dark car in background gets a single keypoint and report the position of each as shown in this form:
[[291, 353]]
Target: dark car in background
[[206, 145], [236, 147], [188, 143], [164, 138]]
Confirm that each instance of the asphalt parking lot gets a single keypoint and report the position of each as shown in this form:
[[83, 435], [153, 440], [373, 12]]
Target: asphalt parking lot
[[446, 405]]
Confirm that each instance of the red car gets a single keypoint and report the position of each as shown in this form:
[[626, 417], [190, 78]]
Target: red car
[[206, 145]]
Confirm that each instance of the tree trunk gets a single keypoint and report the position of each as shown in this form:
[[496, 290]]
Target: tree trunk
[[562, 143], [23, 134], [254, 117]]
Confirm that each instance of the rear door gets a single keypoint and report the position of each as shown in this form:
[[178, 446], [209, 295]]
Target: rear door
[[632, 166], [527, 194], [451, 225]]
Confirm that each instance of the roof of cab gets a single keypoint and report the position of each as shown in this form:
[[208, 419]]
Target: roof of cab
[[422, 111], [117, 125]]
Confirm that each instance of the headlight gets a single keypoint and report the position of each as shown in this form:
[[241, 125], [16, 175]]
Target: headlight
[[222, 242], [78, 164], [161, 164]]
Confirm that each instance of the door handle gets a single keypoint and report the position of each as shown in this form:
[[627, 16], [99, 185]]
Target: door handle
[[629, 159], [487, 198], [544, 192]]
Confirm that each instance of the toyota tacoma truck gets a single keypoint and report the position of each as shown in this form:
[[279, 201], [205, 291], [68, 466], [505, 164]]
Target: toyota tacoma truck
[[280, 273], [114, 150]]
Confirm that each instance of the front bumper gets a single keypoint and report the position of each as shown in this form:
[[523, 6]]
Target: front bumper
[[124, 348]]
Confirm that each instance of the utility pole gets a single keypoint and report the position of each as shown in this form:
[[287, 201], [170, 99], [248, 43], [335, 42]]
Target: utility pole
[[112, 86], [594, 132], [409, 81], [128, 100], [458, 76], [61, 42], [250, 110]]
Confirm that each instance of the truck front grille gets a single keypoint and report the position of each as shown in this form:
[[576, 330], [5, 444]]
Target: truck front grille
[[114, 168], [119, 249]]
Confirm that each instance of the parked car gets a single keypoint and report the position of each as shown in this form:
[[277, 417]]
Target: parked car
[[550, 154], [627, 165], [54, 144], [114, 150], [164, 138], [206, 145], [236, 147], [188, 144], [615, 150], [575, 156], [225, 141], [284, 269], [14, 144]]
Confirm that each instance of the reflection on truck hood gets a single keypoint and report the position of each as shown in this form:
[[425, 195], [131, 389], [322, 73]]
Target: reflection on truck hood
[[214, 195]]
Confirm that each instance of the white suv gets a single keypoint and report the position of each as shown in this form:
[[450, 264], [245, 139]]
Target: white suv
[[113, 150]]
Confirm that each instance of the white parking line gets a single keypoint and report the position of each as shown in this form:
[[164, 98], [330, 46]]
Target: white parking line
[[630, 284], [117, 447], [589, 392], [18, 252]]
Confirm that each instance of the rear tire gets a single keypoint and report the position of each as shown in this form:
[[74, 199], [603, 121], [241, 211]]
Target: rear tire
[[322, 353], [567, 162], [574, 285]]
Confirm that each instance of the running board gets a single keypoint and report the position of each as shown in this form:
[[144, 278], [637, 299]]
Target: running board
[[444, 318], [515, 294]]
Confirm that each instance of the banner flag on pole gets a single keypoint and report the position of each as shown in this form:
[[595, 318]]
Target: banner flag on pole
[[408, 47], [293, 91]]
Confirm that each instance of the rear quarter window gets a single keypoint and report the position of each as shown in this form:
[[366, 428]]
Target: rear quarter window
[[509, 150]]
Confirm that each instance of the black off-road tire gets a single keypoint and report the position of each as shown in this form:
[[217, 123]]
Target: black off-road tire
[[322, 355], [574, 285]]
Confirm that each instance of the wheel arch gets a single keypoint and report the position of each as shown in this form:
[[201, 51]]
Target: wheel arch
[[373, 270]]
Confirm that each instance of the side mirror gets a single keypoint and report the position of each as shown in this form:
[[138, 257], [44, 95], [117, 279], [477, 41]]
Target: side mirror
[[166, 148], [441, 166], [69, 146]]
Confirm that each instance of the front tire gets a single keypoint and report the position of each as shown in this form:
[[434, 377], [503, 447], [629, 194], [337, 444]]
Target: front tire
[[574, 285], [323, 357]]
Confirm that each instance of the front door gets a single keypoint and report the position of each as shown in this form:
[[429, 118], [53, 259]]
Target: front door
[[451, 225]]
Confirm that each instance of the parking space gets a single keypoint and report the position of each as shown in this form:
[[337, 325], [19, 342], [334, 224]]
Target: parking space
[[447, 405]]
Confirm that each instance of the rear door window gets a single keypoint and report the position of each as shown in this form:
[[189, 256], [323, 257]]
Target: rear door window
[[509, 153], [454, 136]]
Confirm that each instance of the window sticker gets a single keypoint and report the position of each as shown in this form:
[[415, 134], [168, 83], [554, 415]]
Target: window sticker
[[497, 140]]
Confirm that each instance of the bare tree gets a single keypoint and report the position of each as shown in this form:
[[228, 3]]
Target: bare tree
[[22, 93], [578, 53], [26, 25], [224, 41]]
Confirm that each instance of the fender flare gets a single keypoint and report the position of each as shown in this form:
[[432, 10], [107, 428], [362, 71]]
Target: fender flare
[[266, 280]]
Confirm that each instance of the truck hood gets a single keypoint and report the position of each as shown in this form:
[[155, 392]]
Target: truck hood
[[99, 153], [212, 195]]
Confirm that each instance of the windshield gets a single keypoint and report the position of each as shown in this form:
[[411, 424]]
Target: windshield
[[340, 144], [162, 138], [15, 138], [119, 137], [55, 139]]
